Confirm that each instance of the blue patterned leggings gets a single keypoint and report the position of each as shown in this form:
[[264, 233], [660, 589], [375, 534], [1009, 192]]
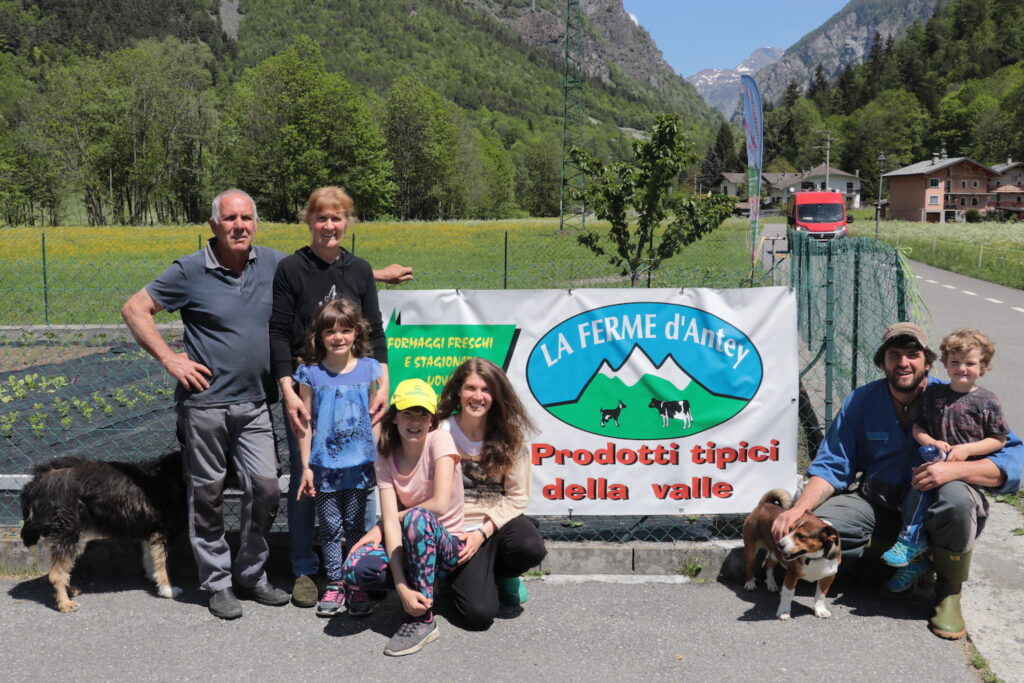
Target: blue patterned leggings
[[430, 551], [340, 514]]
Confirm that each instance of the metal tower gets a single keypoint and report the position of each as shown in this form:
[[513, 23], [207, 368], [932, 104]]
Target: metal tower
[[572, 212]]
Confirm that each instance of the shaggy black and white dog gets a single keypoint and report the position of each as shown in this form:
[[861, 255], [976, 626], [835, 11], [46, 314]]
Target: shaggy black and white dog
[[70, 500]]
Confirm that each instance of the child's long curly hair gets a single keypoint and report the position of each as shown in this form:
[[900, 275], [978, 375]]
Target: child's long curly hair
[[327, 315], [507, 422]]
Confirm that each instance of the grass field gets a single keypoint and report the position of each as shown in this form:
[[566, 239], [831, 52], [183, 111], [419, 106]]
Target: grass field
[[81, 275], [988, 251]]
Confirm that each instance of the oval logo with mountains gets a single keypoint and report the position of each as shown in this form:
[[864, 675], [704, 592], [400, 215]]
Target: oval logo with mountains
[[644, 371]]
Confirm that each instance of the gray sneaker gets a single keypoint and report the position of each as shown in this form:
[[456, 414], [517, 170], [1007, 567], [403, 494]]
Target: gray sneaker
[[412, 636]]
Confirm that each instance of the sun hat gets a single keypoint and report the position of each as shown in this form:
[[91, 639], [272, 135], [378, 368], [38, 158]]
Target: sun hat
[[904, 331]]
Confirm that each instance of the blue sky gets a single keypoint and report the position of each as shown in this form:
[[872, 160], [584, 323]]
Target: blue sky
[[719, 34]]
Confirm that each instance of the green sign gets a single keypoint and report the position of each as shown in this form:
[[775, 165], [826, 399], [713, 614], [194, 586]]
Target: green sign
[[432, 352]]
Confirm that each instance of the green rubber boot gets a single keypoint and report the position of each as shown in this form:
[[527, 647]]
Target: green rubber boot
[[512, 591], [951, 570]]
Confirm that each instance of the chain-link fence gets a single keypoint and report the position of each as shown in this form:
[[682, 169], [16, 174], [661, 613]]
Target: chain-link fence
[[74, 382], [848, 291]]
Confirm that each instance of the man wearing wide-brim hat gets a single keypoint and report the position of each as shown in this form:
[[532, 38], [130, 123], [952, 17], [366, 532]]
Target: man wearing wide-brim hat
[[870, 442]]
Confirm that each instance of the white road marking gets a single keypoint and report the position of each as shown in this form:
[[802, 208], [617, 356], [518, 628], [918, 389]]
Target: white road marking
[[933, 282], [1019, 310], [995, 301], [949, 286], [968, 293]]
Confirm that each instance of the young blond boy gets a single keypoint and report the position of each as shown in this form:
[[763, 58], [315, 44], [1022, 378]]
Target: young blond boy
[[963, 421]]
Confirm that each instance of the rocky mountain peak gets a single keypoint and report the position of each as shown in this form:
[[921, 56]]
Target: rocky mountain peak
[[720, 88]]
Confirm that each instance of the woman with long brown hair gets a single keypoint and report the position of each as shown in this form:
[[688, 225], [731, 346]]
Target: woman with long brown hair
[[489, 425]]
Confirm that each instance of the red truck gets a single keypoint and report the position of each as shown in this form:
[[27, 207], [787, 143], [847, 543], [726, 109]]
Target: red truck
[[819, 214]]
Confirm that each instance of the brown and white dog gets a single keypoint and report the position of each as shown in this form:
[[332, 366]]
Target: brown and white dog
[[71, 500], [810, 551]]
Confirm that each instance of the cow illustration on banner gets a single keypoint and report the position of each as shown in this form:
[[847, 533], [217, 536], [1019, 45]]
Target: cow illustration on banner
[[667, 371], [671, 401]]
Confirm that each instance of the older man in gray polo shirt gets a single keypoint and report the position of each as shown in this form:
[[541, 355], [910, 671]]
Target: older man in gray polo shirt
[[224, 293]]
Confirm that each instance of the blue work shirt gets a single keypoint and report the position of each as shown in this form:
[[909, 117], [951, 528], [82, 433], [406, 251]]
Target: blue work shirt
[[867, 439]]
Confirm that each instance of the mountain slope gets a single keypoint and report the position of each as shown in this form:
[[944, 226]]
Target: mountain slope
[[617, 52], [842, 40], [720, 88]]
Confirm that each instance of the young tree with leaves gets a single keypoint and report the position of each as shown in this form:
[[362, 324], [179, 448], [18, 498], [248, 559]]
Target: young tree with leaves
[[290, 126], [643, 186], [423, 143]]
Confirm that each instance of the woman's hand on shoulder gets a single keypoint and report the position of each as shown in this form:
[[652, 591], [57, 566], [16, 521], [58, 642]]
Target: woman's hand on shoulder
[[471, 543]]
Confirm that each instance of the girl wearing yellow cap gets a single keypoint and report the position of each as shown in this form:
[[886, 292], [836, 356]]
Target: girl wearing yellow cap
[[419, 477]]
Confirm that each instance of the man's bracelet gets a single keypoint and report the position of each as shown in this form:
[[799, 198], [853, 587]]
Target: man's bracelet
[[483, 533]]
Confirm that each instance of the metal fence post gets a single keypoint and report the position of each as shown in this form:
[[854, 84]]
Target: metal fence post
[[829, 332], [808, 281], [504, 279], [855, 332], [46, 286], [353, 244], [981, 250], [901, 290]]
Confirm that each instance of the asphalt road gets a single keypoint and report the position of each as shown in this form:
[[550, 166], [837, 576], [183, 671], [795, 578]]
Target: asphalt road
[[570, 630], [958, 301]]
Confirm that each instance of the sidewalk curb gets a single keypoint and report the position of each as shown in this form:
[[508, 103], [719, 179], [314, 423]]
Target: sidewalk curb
[[709, 560]]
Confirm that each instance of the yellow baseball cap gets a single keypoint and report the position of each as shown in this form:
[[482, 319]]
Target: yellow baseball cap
[[414, 393]]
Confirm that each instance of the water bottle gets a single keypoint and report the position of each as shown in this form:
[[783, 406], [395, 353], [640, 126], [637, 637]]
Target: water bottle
[[931, 453]]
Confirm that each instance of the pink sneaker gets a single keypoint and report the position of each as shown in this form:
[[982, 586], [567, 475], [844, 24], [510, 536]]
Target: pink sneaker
[[331, 601]]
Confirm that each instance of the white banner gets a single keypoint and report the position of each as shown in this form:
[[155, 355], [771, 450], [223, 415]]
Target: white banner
[[646, 401]]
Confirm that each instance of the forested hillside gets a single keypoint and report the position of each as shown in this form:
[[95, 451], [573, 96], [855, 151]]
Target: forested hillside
[[842, 41], [136, 111], [955, 80]]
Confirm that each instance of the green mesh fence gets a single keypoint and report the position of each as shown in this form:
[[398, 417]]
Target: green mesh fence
[[73, 381], [848, 291]]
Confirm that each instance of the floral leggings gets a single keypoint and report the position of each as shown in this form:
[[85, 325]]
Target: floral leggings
[[430, 551]]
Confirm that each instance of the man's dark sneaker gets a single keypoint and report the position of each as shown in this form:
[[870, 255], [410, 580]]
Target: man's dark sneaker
[[224, 604], [305, 592], [265, 594], [359, 604], [412, 636]]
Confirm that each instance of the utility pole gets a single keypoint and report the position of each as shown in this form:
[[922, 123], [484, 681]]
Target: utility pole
[[573, 181], [828, 151], [878, 199]]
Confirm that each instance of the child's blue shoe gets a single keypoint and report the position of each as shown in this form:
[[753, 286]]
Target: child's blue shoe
[[904, 579], [902, 554], [512, 591]]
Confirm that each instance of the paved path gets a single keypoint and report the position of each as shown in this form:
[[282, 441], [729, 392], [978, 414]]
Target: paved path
[[571, 629], [958, 301]]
